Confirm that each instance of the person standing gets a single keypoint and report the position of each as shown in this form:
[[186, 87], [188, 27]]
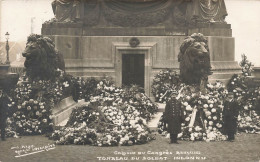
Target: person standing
[[230, 114], [3, 114], [173, 117]]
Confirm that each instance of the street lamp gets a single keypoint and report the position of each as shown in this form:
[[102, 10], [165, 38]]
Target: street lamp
[[7, 48]]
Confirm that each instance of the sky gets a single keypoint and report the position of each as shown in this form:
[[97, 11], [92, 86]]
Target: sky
[[17, 16]]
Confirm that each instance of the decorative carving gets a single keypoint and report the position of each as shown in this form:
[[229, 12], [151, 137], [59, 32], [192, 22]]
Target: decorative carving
[[203, 11], [66, 10], [194, 60], [135, 20], [139, 13], [134, 42]]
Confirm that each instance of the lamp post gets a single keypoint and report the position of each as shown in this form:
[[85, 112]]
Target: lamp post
[[7, 48]]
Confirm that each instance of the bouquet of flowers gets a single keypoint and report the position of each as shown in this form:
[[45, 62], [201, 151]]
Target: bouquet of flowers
[[33, 101], [163, 83], [247, 66], [32, 117], [247, 93], [104, 125], [203, 113]]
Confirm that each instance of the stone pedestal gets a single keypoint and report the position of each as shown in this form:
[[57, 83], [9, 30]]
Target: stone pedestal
[[97, 51], [63, 110]]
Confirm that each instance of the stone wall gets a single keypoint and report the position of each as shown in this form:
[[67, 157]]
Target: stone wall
[[97, 51], [97, 56]]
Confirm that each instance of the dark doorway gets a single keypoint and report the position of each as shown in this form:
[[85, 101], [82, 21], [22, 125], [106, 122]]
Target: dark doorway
[[133, 69]]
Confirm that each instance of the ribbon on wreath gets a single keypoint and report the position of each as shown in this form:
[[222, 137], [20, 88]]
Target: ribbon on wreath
[[193, 118]]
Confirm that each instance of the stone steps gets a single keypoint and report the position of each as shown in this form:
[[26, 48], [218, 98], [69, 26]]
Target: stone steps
[[152, 124], [62, 111]]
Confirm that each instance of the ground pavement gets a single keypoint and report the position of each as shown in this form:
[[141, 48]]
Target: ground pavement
[[246, 148]]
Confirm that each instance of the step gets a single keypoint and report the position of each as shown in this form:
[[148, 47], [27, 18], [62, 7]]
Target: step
[[152, 124], [62, 111]]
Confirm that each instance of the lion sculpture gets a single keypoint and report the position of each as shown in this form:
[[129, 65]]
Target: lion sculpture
[[42, 60], [194, 60]]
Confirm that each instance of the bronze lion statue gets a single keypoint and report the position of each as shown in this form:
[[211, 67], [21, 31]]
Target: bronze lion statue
[[42, 59], [194, 60]]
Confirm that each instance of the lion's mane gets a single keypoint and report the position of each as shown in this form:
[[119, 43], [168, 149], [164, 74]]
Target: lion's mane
[[42, 59], [194, 59]]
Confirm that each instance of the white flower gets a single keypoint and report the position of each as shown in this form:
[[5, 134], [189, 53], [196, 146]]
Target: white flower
[[197, 128], [188, 108], [187, 119], [208, 113], [219, 126], [44, 120], [29, 108], [185, 104], [248, 119], [205, 106], [211, 105], [213, 110], [211, 123], [215, 118], [180, 135]]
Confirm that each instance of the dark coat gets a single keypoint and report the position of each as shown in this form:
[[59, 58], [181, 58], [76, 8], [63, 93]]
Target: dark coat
[[174, 116], [3, 114], [230, 114]]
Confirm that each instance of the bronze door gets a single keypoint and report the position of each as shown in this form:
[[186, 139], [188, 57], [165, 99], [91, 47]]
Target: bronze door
[[133, 69]]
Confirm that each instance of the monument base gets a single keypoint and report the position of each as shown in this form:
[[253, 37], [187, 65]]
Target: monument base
[[62, 110], [99, 51]]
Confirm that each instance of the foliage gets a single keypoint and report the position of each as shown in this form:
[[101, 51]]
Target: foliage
[[208, 119], [246, 65], [163, 83], [247, 91], [101, 125], [33, 101]]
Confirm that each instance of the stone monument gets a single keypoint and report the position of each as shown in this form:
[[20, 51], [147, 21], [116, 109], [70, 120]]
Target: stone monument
[[132, 40]]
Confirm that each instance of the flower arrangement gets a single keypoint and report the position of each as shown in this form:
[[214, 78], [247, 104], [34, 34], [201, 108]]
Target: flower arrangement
[[163, 83], [33, 103], [32, 117], [246, 65], [115, 116], [208, 108], [202, 113], [102, 125], [247, 93]]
